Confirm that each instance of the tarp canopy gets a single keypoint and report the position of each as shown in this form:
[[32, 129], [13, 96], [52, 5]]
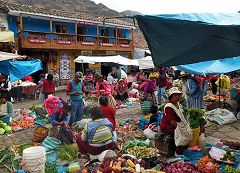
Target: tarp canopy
[[212, 67], [6, 36], [146, 63], [178, 39], [106, 59], [19, 69], [7, 56]]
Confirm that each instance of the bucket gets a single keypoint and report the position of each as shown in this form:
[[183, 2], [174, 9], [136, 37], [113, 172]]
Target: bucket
[[195, 136], [33, 159]]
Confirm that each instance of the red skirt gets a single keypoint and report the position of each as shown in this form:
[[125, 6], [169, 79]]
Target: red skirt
[[85, 148]]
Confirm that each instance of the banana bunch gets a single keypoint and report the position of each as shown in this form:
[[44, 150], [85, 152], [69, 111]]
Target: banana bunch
[[142, 152]]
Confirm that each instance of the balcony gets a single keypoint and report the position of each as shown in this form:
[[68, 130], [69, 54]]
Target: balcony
[[47, 40]]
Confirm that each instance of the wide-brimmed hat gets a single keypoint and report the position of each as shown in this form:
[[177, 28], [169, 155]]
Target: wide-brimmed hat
[[183, 74], [97, 75], [79, 75], [173, 90], [120, 80]]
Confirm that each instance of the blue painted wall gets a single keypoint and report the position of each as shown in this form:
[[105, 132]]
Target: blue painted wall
[[12, 24], [41, 25]]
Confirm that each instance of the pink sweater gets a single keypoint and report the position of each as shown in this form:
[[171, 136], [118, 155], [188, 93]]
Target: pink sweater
[[106, 87]]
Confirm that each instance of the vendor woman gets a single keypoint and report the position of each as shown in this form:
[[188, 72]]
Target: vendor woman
[[171, 117], [103, 87], [97, 134]]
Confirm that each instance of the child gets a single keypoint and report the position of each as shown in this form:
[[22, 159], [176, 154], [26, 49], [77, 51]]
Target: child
[[154, 118], [109, 112], [6, 108], [61, 118]]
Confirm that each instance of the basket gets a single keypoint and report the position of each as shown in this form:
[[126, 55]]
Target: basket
[[40, 133]]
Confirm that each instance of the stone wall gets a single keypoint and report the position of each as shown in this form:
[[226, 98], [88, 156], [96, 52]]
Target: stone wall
[[3, 20]]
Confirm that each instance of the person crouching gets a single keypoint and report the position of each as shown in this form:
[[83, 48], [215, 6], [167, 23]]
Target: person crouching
[[97, 134]]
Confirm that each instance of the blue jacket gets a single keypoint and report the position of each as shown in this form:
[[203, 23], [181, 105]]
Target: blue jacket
[[54, 118]]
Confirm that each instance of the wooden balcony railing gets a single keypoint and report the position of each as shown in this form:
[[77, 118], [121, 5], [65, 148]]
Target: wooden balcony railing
[[33, 39]]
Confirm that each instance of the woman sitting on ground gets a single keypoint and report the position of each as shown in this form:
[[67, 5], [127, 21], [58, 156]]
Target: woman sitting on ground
[[121, 91], [97, 134]]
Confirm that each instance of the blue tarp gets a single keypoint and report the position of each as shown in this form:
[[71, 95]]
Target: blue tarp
[[212, 67], [19, 69], [178, 39]]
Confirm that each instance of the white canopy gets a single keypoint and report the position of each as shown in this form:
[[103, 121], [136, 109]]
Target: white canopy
[[112, 59], [8, 56], [146, 63]]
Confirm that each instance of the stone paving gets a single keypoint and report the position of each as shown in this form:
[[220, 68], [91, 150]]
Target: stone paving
[[228, 132]]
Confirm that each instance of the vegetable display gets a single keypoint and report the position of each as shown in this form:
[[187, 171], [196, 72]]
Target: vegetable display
[[24, 124], [202, 163], [230, 169], [134, 143], [68, 152], [181, 167], [22, 147], [229, 156], [142, 152], [8, 163], [194, 116], [50, 167], [4, 128]]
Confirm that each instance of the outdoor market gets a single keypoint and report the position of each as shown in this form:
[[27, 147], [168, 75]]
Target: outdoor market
[[173, 111]]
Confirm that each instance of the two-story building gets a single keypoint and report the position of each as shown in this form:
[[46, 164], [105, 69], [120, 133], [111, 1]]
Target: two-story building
[[58, 37]]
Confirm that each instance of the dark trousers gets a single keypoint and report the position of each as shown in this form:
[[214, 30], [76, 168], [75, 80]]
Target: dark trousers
[[214, 86], [122, 97]]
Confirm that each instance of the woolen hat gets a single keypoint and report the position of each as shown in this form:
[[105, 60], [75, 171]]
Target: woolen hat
[[97, 75], [79, 74]]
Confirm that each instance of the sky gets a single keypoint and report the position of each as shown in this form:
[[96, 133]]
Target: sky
[[173, 6]]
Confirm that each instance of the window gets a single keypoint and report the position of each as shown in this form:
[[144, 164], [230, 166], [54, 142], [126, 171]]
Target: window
[[104, 32], [59, 28], [81, 30]]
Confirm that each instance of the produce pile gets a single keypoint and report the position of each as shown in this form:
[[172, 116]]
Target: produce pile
[[121, 164], [4, 128], [230, 169], [142, 152], [229, 156], [206, 161], [181, 167], [8, 163], [68, 152]]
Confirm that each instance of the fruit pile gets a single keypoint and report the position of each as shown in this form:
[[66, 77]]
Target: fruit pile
[[142, 152], [122, 164], [181, 167], [230, 169]]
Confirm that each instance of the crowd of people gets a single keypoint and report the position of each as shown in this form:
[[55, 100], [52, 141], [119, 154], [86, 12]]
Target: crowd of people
[[166, 90]]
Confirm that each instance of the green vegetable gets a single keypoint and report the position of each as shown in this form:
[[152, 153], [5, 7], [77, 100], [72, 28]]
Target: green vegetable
[[3, 125], [230, 169], [68, 152], [2, 131], [8, 163], [22, 147], [194, 117], [50, 167], [8, 129]]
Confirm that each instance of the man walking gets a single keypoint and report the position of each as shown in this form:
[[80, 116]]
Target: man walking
[[75, 89]]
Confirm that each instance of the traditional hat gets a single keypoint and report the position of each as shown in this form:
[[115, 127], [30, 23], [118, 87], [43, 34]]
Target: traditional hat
[[97, 75], [79, 74], [174, 90], [183, 74]]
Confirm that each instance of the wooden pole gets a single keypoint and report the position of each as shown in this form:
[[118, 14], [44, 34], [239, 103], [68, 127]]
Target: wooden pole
[[21, 27], [50, 30], [132, 33], [97, 36], [76, 33], [116, 35]]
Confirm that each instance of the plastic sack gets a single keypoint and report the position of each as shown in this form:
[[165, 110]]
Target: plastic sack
[[221, 116], [115, 138], [202, 141], [182, 134], [150, 134], [50, 144]]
